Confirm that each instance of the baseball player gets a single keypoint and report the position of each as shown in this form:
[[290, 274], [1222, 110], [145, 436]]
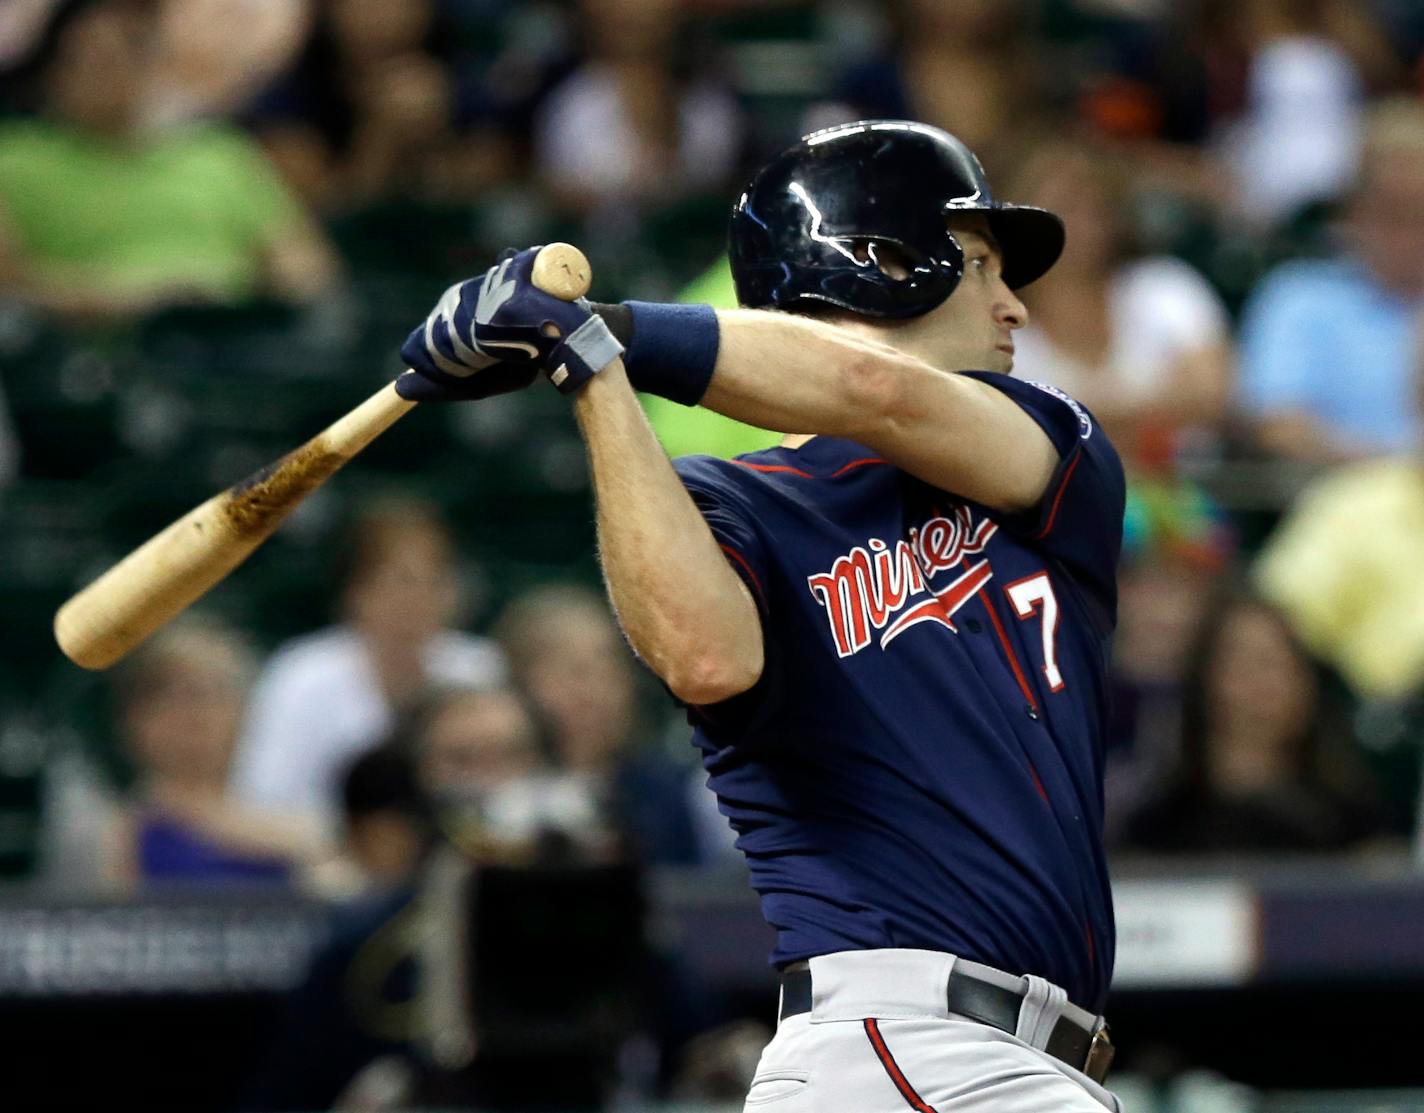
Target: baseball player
[[891, 635]]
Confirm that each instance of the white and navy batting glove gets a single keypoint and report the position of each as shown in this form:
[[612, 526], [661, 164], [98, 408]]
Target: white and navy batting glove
[[500, 324]]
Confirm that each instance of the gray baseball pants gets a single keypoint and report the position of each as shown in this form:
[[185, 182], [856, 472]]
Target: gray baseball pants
[[879, 1039]]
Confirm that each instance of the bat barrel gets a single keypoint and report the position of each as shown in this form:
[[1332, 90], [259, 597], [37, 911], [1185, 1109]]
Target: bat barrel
[[151, 585]]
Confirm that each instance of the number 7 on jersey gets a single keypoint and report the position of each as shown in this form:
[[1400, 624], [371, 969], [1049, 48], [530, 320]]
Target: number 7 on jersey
[[1029, 596]]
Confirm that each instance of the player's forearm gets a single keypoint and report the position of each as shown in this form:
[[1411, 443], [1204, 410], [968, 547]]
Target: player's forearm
[[796, 375], [685, 611], [799, 376]]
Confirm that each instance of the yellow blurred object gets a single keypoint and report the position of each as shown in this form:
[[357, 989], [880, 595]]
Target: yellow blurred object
[[1344, 568], [689, 430]]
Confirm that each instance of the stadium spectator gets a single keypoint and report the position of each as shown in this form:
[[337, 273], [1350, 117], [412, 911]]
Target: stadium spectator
[[494, 793], [1143, 342], [1175, 546], [631, 124], [373, 109], [101, 217], [566, 653], [201, 69], [180, 702], [1266, 763], [22, 27], [326, 697], [1298, 136], [1344, 568], [1328, 347], [392, 985], [386, 823], [1355, 597], [968, 67]]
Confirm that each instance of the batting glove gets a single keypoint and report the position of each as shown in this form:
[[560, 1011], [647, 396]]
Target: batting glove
[[504, 323]]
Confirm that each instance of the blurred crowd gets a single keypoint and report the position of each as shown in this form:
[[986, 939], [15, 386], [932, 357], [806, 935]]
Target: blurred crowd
[[1241, 305]]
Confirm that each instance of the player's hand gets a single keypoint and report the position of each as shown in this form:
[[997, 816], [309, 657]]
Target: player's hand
[[445, 367], [434, 385], [504, 317]]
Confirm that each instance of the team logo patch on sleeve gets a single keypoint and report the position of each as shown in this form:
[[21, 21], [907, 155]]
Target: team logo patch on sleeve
[[1085, 423]]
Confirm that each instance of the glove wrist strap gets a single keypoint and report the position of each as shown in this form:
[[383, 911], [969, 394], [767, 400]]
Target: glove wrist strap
[[582, 354]]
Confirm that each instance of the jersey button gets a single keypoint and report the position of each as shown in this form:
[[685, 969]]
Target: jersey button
[[1031, 711]]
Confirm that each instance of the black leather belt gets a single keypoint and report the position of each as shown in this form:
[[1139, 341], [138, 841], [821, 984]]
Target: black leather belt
[[1080, 1040]]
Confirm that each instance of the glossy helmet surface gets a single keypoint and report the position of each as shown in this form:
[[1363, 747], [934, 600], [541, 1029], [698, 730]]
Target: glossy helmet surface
[[806, 227]]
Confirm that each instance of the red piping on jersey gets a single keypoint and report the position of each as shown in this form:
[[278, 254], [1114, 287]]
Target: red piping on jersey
[[892, 1068], [856, 464], [1038, 784], [774, 467], [1057, 498], [1009, 650], [756, 583]]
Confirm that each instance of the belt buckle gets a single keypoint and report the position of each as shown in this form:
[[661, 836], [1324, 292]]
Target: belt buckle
[[1100, 1054]]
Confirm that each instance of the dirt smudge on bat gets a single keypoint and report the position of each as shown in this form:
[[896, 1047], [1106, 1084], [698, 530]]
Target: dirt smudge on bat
[[258, 503]]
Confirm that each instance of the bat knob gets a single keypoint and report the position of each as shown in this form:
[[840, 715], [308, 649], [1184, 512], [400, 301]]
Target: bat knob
[[562, 269]]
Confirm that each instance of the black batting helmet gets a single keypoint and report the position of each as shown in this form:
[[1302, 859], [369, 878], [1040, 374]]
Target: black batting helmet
[[796, 229]]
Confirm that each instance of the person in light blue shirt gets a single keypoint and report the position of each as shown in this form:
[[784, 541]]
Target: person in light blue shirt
[[1330, 349]]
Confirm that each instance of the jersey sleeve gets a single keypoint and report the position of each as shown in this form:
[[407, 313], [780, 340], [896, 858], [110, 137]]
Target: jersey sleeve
[[729, 511], [1079, 519]]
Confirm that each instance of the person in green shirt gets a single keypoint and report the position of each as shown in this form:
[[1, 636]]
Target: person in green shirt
[[102, 218]]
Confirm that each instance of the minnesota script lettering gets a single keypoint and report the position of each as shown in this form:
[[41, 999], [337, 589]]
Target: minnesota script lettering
[[873, 584]]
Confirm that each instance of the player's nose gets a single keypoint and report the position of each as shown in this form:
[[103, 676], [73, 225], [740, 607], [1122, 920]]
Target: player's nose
[[1009, 311]]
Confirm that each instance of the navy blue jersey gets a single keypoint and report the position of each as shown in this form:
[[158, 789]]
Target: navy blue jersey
[[920, 764]]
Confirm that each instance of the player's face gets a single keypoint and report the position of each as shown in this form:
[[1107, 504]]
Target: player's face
[[973, 329]]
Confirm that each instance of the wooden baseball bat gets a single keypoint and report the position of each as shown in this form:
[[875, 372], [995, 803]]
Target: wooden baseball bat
[[173, 569]]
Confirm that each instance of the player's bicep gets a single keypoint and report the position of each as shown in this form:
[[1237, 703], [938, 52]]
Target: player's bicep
[[746, 616], [962, 436], [751, 713], [1077, 520]]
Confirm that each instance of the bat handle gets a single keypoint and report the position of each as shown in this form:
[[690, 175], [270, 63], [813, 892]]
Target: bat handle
[[353, 431], [562, 269]]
